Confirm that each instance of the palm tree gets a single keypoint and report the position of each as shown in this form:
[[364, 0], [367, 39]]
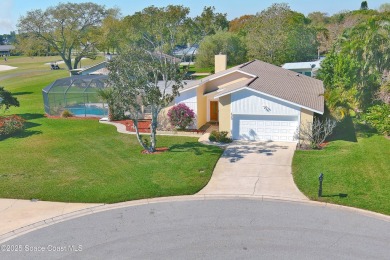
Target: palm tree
[[107, 94]]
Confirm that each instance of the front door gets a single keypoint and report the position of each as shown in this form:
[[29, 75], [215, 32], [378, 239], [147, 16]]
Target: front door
[[213, 110]]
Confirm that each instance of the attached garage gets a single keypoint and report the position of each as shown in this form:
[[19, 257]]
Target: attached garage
[[257, 116], [265, 128]]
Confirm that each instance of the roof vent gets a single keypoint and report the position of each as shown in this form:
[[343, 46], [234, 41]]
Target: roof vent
[[297, 75]]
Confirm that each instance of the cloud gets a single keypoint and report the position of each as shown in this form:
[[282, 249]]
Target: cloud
[[6, 24]]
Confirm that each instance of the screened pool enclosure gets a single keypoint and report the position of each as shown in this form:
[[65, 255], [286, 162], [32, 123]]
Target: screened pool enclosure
[[77, 94]]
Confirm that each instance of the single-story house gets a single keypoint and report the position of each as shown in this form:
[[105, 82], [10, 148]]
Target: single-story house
[[308, 68], [189, 50], [96, 69], [254, 100], [6, 49]]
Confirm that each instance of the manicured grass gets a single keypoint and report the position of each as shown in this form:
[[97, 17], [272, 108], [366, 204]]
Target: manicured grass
[[84, 161], [356, 171]]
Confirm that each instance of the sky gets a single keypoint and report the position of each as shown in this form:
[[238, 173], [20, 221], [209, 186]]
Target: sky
[[11, 10]]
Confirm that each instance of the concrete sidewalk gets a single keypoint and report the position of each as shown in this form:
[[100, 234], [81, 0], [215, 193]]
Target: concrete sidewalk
[[255, 169], [16, 213]]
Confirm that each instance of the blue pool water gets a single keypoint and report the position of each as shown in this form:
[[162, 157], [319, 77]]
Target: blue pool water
[[88, 111]]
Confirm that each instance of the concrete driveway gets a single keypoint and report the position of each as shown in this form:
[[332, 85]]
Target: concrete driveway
[[255, 169]]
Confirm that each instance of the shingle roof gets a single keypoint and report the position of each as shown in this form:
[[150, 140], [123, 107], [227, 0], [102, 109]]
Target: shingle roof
[[286, 84], [195, 83], [275, 81], [6, 47], [234, 86]]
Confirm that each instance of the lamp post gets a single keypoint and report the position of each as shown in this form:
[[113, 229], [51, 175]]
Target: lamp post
[[320, 178]]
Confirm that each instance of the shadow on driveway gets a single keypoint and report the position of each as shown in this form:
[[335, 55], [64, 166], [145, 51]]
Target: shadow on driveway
[[239, 149]]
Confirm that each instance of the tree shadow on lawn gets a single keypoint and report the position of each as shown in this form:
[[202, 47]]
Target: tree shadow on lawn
[[195, 147], [31, 116], [341, 195], [22, 93], [344, 130], [22, 134], [349, 129]]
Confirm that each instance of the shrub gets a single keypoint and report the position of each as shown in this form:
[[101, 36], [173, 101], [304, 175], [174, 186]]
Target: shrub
[[378, 116], [11, 124], [66, 114], [221, 137], [181, 116], [315, 133]]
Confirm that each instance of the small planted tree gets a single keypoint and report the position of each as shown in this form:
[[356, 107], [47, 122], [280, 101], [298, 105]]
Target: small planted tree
[[143, 75], [7, 100], [140, 79], [314, 133], [181, 116]]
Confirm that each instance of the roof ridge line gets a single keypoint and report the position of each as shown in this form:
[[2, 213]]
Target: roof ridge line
[[246, 64], [253, 79]]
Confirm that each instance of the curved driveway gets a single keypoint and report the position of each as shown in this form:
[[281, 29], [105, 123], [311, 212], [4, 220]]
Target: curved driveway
[[211, 229], [255, 169]]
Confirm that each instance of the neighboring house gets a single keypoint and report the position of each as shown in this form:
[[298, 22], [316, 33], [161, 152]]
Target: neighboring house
[[309, 68], [6, 49], [101, 68], [254, 100], [186, 53], [97, 69]]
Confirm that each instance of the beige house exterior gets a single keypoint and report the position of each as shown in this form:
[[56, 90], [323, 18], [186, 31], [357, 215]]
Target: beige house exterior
[[255, 100]]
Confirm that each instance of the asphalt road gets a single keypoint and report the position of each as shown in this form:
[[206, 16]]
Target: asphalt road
[[210, 229]]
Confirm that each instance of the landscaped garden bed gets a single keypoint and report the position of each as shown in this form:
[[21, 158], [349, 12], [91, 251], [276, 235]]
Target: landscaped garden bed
[[143, 125]]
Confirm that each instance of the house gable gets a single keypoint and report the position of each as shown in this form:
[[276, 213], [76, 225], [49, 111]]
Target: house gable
[[249, 102]]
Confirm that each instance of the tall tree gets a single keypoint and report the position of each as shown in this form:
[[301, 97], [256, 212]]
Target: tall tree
[[143, 75], [354, 68], [157, 28], [319, 21], [209, 22], [273, 36], [364, 5], [239, 25], [110, 34], [222, 42], [68, 28]]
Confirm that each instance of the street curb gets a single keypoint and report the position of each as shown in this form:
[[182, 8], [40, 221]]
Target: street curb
[[105, 207]]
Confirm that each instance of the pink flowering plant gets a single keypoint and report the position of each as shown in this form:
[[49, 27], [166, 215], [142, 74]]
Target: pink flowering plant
[[181, 116]]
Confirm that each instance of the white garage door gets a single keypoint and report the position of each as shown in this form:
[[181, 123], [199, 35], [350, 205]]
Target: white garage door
[[265, 128]]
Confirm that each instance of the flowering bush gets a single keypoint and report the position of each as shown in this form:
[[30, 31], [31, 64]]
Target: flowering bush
[[181, 116], [11, 124]]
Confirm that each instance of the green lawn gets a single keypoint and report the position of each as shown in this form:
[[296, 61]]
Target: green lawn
[[356, 170], [84, 161]]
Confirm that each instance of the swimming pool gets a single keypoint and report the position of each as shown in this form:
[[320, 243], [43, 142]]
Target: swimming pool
[[90, 110]]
